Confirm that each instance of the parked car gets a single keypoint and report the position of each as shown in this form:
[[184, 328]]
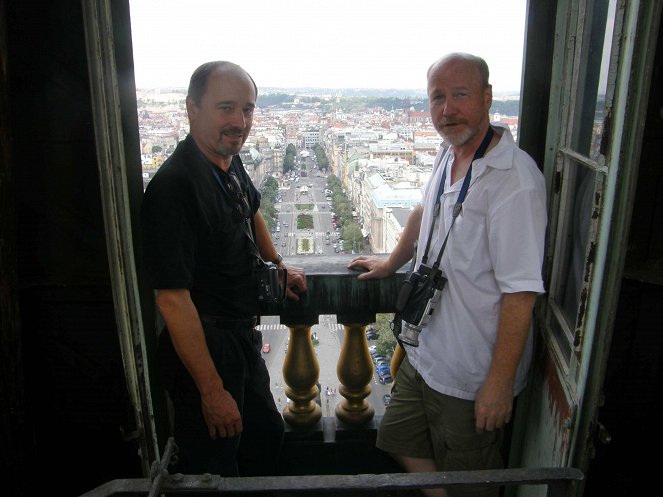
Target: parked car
[[383, 369], [386, 398], [386, 379], [371, 335], [378, 357]]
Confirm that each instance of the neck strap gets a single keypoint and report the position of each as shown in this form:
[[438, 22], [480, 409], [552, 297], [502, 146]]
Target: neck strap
[[480, 152], [245, 224]]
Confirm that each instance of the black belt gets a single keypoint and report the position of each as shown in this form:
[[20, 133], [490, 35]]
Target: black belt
[[226, 323]]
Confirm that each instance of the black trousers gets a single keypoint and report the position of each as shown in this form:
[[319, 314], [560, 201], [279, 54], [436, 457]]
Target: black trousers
[[236, 355]]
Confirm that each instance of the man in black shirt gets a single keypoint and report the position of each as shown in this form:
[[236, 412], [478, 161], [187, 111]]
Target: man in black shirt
[[202, 234]]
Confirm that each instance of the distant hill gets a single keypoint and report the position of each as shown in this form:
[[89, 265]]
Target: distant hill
[[350, 100], [365, 92], [348, 92], [357, 99]]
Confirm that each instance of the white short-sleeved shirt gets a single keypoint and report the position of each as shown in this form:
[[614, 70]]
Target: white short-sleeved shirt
[[495, 247]]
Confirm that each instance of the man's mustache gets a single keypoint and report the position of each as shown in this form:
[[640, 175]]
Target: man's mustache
[[232, 130], [449, 122]]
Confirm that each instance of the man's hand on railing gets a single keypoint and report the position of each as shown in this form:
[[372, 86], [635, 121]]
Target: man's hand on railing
[[296, 282], [375, 267]]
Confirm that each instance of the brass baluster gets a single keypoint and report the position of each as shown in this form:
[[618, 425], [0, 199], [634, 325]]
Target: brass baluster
[[355, 372], [301, 372]]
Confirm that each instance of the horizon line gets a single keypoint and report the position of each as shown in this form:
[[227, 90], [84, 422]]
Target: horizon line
[[345, 88]]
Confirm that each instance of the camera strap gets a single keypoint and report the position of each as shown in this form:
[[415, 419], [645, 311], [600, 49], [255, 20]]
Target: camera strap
[[245, 224], [259, 260], [459, 202], [248, 231]]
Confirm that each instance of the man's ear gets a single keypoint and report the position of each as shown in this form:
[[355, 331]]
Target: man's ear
[[488, 96], [191, 108]]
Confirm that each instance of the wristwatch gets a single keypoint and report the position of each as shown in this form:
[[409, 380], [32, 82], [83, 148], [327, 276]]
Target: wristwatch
[[278, 260]]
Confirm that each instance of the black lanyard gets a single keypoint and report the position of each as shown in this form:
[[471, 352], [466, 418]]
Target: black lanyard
[[461, 197], [246, 227], [217, 176]]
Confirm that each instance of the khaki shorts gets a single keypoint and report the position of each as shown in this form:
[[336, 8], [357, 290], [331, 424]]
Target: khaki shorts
[[423, 423]]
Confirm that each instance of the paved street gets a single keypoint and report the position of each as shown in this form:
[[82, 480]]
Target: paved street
[[309, 190], [288, 235]]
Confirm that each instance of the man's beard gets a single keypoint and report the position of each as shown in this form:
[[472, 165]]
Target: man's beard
[[228, 150], [457, 139], [224, 150]]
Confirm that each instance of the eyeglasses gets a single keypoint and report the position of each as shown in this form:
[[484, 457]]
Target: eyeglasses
[[242, 209]]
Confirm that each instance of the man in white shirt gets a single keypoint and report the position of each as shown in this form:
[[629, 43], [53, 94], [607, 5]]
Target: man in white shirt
[[454, 391]]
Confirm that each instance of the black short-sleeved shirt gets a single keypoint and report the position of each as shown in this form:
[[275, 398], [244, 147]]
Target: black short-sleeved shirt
[[190, 239]]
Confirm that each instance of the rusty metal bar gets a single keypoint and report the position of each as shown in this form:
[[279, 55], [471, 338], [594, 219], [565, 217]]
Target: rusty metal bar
[[160, 471], [560, 481]]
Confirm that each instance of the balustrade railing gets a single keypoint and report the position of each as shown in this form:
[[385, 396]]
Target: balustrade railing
[[332, 289]]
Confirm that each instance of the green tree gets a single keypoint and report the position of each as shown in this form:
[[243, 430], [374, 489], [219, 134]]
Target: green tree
[[267, 208], [156, 149], [386, 342], [288, 163], [320, 156], [334, 184], [290, 159], [268, 212], [353, 239], [342, 208], [270, 187]]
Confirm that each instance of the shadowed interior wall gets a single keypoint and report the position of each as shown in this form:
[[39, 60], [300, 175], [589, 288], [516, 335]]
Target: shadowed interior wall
[[77, 402]]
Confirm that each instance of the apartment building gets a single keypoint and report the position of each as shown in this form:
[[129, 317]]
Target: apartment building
[[394, 223]]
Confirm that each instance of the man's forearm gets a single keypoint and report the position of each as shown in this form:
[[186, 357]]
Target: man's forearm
[[512, 333], [188, 337]]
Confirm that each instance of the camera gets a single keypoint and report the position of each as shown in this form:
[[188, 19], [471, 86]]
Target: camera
[[266, 276], [416, 301]]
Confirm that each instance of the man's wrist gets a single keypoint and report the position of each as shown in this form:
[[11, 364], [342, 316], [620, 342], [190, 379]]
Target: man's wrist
[[278, 260]]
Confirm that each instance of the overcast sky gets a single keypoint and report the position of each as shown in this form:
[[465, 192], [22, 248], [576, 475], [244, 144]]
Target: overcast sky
[[329, 44]]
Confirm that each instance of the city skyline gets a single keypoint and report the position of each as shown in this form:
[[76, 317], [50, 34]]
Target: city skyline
[[297, 44]]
